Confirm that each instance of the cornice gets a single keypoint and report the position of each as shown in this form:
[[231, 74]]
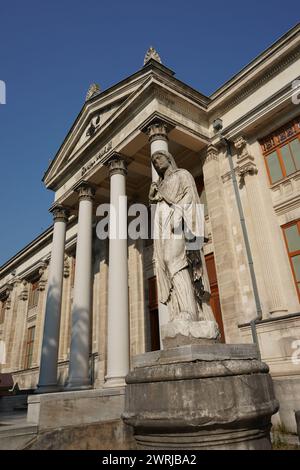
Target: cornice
[[258, 82], [288, 205], [37, 244], [286, 45], [278, 99]]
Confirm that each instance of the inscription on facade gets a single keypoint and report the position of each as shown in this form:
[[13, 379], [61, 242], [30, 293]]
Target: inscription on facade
[[98, 157]]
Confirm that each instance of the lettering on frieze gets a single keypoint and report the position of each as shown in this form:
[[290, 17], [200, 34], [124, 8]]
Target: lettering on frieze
[[96, 159]]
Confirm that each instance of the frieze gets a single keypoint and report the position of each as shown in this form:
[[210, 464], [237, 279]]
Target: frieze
[[257, 83], [183, 108], [96, 159]]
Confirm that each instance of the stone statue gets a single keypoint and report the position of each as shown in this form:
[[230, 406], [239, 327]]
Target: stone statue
[[179, 259]]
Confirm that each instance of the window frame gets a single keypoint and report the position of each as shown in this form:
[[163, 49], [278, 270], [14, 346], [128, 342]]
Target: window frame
[[272, 143], [29, 347], [34, 294], [292, 253]]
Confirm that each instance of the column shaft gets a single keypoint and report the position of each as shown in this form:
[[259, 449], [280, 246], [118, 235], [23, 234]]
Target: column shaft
[[49, 358], [118, 315], [79, 371]]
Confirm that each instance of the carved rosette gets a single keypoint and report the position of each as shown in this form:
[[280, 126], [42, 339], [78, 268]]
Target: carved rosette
[[117, 165], [86, 192], [246, 164], [60, 213]]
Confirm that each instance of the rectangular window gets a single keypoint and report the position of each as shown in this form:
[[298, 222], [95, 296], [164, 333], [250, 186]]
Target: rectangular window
[[291, 233], [29, 347], [282, 151], [34, 294], [2, 311]]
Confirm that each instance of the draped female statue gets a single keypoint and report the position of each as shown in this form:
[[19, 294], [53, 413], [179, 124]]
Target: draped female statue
[[178, 252]]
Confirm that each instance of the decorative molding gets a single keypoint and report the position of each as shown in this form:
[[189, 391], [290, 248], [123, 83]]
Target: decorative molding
[[66, 267], [25, 292], [93, 90], [281, 135], [33, 270], [241, 145], [43, 278], [212, 154], [152, 54], [288, 205], [246, 164], [5, 294], [117, 165], [258, 82], [93, 126]]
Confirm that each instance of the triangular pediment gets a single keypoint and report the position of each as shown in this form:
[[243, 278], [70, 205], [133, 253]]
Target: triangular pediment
[[92, 118], [100, 114]]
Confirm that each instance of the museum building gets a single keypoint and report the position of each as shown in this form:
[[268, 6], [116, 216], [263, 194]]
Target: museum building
[[75, 309]]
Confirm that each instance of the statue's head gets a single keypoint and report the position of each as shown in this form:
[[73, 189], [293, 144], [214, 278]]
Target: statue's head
[[162, 160]]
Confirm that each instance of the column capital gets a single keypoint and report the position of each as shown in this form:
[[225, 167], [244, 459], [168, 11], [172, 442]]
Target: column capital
[[86, 191], [60, 213], [117, 165], [212, 153], [158, 130]]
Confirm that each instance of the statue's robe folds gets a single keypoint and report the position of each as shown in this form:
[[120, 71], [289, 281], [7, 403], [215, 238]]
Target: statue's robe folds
[[178, 273]]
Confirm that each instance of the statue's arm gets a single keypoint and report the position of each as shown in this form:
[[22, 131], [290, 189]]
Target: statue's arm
[[154, 195]]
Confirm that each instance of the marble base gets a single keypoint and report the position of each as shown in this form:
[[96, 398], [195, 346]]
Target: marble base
[[200, 397], [182, 332], [72, 408]]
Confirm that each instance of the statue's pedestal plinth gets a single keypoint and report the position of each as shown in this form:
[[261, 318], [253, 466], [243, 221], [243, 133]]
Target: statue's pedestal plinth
[[200, 397]]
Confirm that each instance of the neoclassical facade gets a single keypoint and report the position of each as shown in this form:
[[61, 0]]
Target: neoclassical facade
[[76, 309]]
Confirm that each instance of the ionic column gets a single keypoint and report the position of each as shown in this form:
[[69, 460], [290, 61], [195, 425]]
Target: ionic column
[[158, 139], [79, 371], [49, 358], [118, 315]]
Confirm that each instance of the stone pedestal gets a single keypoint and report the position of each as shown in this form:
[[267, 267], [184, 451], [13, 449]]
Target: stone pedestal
[[200, 397]]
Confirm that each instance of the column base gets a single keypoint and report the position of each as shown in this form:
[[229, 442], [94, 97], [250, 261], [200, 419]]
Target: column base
[[113, 382], [78, 384], [50, 388]]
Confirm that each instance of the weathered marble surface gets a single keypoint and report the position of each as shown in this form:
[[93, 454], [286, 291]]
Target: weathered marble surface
[[200, 397]]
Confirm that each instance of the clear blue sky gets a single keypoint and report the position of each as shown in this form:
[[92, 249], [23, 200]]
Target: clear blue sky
[[50, 52]]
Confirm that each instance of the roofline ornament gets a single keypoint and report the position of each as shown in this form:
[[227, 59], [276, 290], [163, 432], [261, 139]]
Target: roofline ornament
[[94, 90], [152, 54]]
